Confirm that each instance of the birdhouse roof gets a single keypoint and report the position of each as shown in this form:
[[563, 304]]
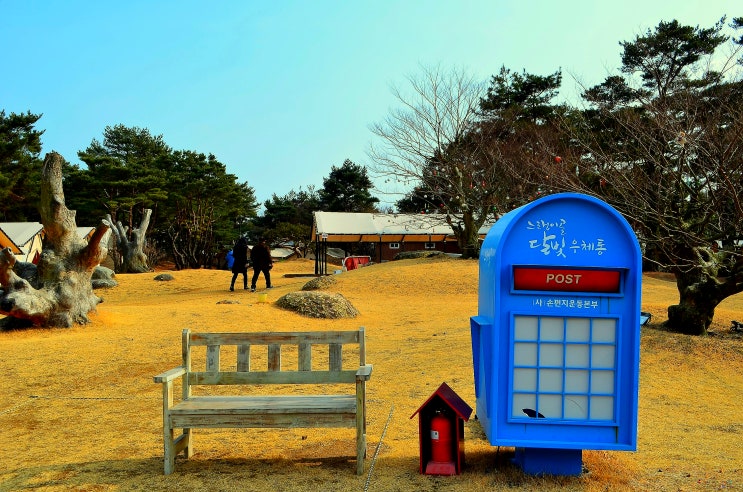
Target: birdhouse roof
[[445, 393]]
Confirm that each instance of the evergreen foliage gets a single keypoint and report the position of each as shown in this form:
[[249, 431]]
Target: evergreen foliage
[[197, 206], [20, 167], [346, 189]]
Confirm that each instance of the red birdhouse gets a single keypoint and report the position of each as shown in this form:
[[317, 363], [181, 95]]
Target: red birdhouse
[[441, 432]]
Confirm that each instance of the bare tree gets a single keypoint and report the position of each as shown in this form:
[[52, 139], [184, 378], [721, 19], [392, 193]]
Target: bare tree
[[669, 156], [423, 143], [680, 189], [60, 293]]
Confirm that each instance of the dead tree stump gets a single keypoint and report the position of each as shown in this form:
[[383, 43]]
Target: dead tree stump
[[133, 259], [61, 293]]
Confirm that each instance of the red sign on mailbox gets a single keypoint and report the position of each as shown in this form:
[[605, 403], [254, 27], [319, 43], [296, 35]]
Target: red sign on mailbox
[[566, 279]]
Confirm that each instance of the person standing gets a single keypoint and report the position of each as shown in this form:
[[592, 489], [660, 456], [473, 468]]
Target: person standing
[[240, 262], [260, 255], [229, 260]]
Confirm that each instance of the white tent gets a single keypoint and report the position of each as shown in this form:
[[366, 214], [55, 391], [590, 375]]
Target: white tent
[[386, 228], [23, 238]]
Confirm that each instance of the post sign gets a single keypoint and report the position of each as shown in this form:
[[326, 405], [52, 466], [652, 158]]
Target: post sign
[[555, 343], [566, 279]]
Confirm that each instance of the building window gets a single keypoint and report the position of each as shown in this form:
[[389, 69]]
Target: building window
[[394, 245], [430, 245]]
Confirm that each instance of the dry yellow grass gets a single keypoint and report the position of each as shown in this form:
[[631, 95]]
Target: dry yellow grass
[[79, 410]]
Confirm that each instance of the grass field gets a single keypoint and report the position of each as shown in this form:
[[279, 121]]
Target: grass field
[[79, 410]]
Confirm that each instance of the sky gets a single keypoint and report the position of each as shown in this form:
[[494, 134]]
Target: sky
[[282, 91]]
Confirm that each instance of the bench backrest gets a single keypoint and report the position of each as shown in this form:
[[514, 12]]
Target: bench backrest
[[301, 344]]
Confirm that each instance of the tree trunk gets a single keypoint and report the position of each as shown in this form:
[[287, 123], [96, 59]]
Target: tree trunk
[[61, 293], [133, 259], [467, 231], [699, 294], [696, 308]]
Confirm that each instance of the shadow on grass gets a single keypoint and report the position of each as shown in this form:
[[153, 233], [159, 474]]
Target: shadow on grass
[[491, 470]]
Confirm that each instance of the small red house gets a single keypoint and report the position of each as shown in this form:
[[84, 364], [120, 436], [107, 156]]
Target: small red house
[[441, 421]]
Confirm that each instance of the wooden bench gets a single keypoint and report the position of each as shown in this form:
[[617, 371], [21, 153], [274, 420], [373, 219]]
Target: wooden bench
[[253, 408]]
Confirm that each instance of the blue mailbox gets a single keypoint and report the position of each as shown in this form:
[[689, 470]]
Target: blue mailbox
[[556, 342]]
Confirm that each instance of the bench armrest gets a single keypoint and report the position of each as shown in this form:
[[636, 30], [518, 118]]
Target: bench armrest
[[170, 375], [364, 372]]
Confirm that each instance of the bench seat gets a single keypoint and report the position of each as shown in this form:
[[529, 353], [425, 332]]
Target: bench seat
[[265, 411]]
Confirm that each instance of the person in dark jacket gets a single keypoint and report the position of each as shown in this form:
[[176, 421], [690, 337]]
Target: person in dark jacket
[[240, 262], [260, 255]]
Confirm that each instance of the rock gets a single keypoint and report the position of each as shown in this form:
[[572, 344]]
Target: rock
[[319, 283], [164, 277], [103, 278], [103, 284], [318, 305]]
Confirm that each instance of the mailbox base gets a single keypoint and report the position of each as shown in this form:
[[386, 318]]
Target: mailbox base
[[544, 461]]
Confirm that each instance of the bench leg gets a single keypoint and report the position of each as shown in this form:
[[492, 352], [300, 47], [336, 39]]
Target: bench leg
[[360, 453], [172, 447], [360, 426], [169, 450], [188, 436], [360, 440]]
